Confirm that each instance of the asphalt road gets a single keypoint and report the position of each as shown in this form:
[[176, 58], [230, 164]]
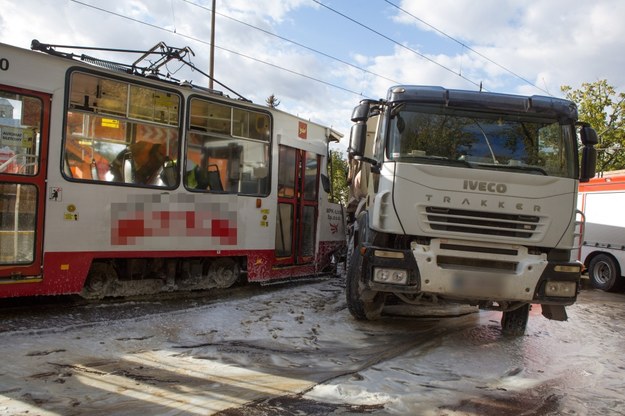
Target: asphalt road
[[295, 350]]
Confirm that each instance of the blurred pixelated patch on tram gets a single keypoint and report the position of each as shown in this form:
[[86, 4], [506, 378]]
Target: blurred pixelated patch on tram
[[153, 216]]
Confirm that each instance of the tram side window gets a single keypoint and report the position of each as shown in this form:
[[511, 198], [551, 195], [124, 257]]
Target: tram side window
[[117, 132], [311, 170], [20, 128], [287, 176], [227, 149]]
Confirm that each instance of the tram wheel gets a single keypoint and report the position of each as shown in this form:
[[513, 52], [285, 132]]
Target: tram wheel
[[99, 279], [224, 272]]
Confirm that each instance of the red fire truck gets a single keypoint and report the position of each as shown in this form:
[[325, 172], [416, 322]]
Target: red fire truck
[[603, 248]]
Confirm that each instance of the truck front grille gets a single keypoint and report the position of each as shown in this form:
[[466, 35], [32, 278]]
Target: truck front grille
[[484, 223]]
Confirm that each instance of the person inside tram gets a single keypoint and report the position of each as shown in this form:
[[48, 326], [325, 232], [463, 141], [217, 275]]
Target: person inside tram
[[197, 175], [204, 175], [139, 163]]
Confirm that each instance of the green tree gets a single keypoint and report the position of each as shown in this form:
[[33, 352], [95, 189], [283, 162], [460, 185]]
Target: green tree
[[272, 101], [603, 108], [338, 177]]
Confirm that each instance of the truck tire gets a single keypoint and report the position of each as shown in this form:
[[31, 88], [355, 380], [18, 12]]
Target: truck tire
[[513, 323], [604, 273], [361, 310]]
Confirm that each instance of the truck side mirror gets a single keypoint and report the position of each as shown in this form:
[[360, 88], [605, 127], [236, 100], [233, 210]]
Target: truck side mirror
[[361, 111], [589, 162], [589, 153], [589, 136], [358, 133], [358, 139]]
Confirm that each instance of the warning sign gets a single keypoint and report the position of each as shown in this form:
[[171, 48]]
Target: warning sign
[[11, 136], [15, 137]]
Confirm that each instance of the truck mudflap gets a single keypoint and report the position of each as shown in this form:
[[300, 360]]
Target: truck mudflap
[[464, 272], [554, 312]]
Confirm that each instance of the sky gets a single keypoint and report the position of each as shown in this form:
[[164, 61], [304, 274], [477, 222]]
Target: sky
[[321, 57]]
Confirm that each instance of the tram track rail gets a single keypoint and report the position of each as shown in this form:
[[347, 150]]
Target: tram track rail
[[34, 314]]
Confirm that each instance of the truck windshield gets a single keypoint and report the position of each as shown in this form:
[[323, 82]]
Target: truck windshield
[[421, 134]]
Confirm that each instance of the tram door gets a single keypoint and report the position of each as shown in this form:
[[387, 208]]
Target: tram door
[[296, 222], [24, 123]]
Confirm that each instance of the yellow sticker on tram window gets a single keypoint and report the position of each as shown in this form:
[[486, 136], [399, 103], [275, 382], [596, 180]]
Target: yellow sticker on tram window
[[109, 122], [164, 101], [28, 139]]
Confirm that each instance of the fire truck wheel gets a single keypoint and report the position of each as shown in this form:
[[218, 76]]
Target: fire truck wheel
[[513, 323], [99, 279], [361, 310], [604, 273]]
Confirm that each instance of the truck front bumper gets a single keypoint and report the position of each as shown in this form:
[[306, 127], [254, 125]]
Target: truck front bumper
[[462, 270]]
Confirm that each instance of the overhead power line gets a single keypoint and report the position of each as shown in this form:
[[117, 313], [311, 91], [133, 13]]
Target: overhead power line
[[467, 47], [398, 43], [364, 70], [334, 58], [175, 32]]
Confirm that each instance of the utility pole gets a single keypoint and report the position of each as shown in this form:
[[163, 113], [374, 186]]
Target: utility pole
[[212, 57]]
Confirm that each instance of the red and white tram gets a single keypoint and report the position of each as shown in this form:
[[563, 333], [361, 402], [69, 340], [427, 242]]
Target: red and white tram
[[114, 183]]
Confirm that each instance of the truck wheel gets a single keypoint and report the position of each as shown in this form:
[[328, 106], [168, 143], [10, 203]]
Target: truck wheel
[[604, 273], [513, 323], [361, 310]]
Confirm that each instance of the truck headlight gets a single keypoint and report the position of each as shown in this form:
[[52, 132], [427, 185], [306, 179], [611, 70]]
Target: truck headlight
[[560, 289], [392, 276]]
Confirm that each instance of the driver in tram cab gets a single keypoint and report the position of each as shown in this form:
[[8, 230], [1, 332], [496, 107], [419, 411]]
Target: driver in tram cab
[[139, 163]]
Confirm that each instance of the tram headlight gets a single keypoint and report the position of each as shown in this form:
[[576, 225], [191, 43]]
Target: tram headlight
[[390, 276]]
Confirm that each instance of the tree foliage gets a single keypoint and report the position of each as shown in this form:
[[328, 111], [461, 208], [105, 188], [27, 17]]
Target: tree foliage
[[338, 172], [272, 101], [600, 105]]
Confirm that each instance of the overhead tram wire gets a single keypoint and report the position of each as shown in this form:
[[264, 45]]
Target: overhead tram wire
[[219, 47], [400, 44], [334, 58], [467, 47]]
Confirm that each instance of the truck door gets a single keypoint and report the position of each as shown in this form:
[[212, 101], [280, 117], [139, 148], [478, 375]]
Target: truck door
[[24, 123], [296, 222]]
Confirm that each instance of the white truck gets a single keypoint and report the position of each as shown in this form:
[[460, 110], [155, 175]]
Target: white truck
[[465, 197], [603, 247]]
